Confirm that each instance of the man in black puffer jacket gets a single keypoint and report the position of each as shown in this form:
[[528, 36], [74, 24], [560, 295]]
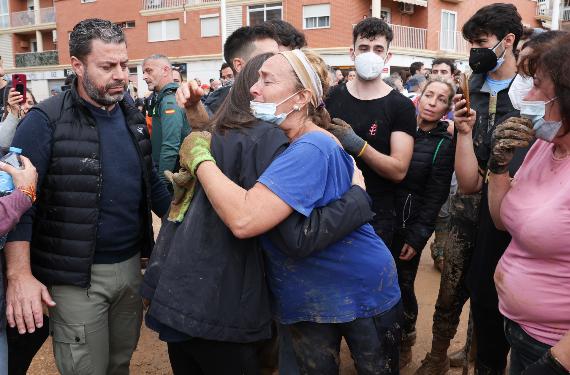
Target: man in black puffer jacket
[[92, 221]]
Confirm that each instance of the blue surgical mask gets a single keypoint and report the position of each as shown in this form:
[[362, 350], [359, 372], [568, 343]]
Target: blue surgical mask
[[267, 111], [535, 110]]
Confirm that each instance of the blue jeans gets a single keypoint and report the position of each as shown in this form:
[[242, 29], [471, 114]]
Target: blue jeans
[[524, 349], [374, 344]]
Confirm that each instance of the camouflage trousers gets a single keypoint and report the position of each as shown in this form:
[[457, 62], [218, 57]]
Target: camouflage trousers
[[442, 224], [464, 215]]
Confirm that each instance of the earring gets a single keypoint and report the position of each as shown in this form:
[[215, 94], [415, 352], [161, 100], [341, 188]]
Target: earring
[[296, 108]]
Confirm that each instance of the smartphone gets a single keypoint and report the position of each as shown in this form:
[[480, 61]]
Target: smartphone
[[19, 84]]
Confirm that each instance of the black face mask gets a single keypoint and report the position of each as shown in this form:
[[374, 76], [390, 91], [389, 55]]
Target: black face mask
[[483, 60]]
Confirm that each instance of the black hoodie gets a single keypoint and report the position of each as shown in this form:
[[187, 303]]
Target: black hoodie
[[425, 188]]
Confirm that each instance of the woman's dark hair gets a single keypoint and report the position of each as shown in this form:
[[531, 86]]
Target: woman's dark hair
[[496, 19], [234, 112], [540, 39], [405, 74], [551, 59]]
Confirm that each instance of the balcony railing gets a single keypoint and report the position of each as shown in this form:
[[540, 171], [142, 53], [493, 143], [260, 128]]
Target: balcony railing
[[543, 12], [36, 59], [29, 18], [452, 41], [165, 4], [408, 37], [566, 14]]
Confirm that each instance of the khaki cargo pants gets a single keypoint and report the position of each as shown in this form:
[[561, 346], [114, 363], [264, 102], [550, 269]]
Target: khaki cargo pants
[[96, 331]]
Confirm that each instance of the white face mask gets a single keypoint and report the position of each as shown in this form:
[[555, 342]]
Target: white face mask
[[267, 111], [535, 110], [368, 65], [519, 89]]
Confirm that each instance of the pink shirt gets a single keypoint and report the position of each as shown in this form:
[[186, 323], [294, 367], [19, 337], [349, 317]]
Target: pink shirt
[[533, 276]]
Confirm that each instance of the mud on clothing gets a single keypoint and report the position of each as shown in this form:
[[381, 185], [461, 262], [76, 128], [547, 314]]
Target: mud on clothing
[[375, 121], [353, 278], [221, 278]]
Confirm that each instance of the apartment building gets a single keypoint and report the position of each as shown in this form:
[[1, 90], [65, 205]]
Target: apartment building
[[545, 10], [34, 33]]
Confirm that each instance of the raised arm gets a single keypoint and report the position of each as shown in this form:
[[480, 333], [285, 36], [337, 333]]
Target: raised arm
[[469, 178], [247, 213], [188, 96], [514, 132]]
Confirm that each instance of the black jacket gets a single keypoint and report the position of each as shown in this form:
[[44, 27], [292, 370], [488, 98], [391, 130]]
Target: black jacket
[[479, 93], [204, 282], [425, 188], [65, 226]]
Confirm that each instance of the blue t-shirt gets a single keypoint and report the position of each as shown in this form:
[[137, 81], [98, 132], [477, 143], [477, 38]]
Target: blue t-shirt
[[355, 277], [497, 85]]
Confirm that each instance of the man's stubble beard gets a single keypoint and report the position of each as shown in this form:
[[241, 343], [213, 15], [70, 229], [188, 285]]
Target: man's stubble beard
[[101, 98]]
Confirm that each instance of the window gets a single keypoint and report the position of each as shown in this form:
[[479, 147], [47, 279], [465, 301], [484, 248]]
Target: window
[[33, 45], [317, 16], [447, 39], [87, 1], [163, 30], [132, 70], [210, 25], [386, 15], [257, 14], [4, 14], [126, 24]]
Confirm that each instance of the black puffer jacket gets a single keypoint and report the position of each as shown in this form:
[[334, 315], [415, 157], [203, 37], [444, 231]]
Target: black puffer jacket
[[425, 188]]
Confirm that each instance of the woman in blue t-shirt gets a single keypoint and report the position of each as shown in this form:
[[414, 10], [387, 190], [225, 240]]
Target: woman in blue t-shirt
[[349, 289]]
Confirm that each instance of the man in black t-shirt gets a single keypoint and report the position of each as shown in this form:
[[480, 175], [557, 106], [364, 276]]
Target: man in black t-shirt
[[382, 120]]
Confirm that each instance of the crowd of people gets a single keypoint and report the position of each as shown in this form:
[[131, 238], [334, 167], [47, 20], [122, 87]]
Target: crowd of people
[[296, 201]]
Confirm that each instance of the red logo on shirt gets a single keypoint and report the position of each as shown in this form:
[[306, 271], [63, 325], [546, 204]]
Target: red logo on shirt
[[373, 129]]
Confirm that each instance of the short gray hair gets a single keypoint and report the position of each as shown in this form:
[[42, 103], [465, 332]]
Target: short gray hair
[[158, 56], [91, 29]]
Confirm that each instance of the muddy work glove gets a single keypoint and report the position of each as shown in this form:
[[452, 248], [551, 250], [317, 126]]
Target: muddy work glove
[[195, 150], [514, 132], [351, 142], [183, 184]]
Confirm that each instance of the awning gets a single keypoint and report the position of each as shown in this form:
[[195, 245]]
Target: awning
[[422, 3]]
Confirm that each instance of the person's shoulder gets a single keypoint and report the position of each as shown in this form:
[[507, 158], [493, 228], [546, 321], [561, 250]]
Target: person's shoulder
[[318, 141], [337, 91], [397, 101]]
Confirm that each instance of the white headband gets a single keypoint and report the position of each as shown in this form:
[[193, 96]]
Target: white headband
[[303, 69]]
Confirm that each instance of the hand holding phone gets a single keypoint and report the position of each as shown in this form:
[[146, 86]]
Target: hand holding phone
[[19, 83]]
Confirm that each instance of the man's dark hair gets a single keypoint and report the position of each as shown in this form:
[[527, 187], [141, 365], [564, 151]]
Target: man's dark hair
[[240, 43], [286, 34], [91, 29], [370, 28], [448, 62], [496, 19], [416, 67], [69, 79]]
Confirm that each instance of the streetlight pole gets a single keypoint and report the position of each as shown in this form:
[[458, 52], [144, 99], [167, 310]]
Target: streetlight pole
[[223, 10]]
